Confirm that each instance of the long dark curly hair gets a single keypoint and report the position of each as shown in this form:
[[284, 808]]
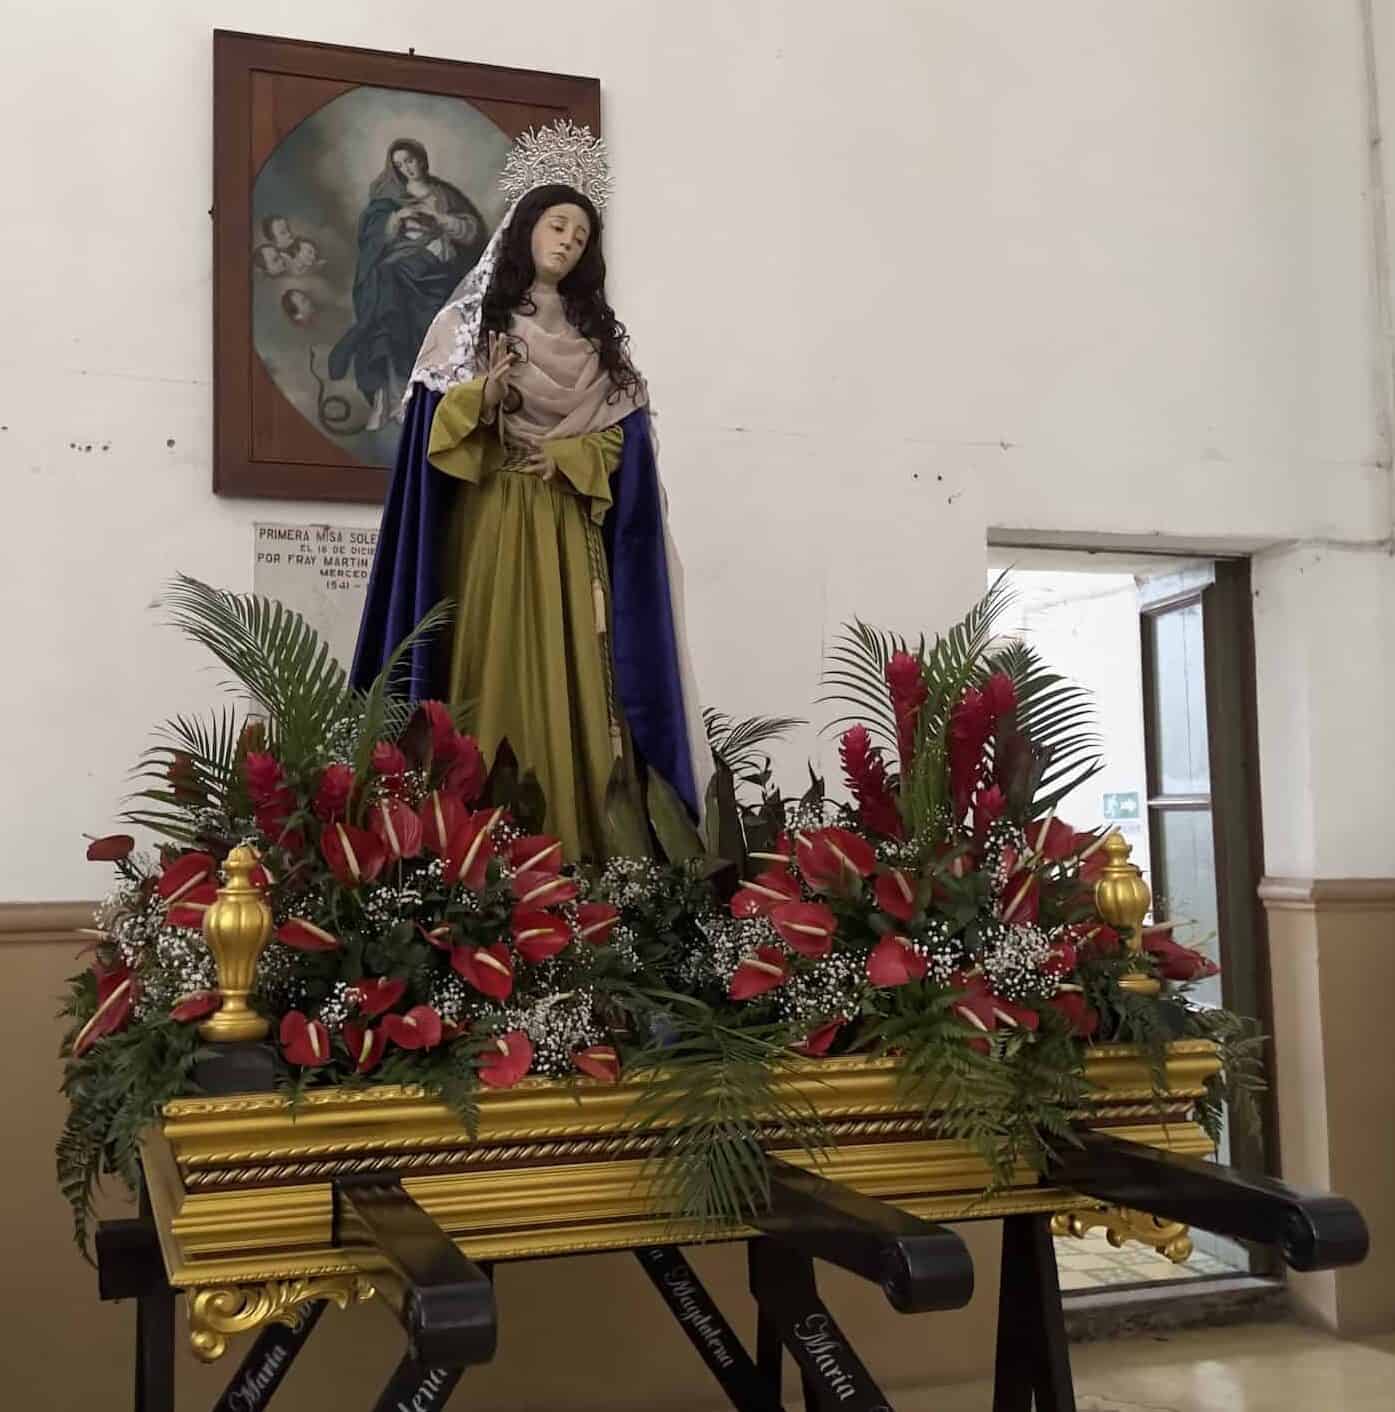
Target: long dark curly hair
[[583, 291]]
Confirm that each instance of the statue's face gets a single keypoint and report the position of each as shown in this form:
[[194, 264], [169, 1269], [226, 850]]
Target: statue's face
[[559, 240]]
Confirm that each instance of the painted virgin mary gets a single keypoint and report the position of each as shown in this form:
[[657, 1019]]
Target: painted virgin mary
[[418, 235], [526, 489]]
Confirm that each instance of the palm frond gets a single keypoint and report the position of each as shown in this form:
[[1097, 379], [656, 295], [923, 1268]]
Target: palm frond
[[855, 676], [383, 709], [203, 753], [737, 743], [274, 654]]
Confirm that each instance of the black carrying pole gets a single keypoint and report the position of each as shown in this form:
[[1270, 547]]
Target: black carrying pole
[[268, 1361], [130, 1266], [1031, 1366]]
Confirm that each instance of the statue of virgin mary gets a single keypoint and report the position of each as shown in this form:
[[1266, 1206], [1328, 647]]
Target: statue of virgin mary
[[527, 490]]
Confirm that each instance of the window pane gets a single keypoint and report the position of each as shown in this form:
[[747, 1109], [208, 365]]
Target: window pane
[[1178, 707], [1185, 884]]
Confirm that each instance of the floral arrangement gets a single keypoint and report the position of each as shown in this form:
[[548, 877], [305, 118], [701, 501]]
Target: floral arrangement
[[427, 930]]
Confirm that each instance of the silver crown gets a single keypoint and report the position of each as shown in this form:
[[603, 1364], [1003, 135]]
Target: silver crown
[[563, 154]]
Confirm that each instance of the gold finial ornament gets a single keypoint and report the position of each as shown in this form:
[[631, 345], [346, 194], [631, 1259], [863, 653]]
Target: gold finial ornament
[[236, 928], [1122, 899]]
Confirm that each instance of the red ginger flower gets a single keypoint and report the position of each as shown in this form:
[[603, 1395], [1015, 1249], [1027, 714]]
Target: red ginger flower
[[508, 1059], [264, 776], [442, 727], [466, 777], [333, 792], [865, 773], [388, 760], [599, 1061], [908, 691], [760, 972], [989, 806], [304, 1041]]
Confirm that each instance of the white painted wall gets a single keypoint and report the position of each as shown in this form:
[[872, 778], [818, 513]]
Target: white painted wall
[[897, 272]]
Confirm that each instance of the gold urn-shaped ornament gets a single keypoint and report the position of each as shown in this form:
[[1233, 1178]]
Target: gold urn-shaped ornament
[[1122, 899], [236, 928]]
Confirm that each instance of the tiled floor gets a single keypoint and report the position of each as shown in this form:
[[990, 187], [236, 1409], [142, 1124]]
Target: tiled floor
[[1270, 1368], [1092, 1263]]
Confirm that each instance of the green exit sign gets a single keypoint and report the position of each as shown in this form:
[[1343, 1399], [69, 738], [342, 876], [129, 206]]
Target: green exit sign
[[1121, 806]]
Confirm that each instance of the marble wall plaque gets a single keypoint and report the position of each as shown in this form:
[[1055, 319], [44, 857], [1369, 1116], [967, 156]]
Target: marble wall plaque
[[320, 571]]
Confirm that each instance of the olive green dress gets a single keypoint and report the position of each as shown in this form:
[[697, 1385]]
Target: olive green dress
[[527, 569]]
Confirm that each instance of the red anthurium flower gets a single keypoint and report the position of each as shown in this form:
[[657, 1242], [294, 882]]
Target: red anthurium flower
[[1015, 1016], [302, 935], [544, 889], [508, 1058], [441, 937], [536, 854], [388, 760], [189, 910], [1021, 899], [756, 974], [467, 776], [895, 961], [111, 849], [470, 848], [419, 1028], [443, 732], [595, 921], [833, 860], [354, 855], [1061, 960], [989, 806], [366, 1046], [805, 927], [117, 989], [759, 895], [1176, 962], [782, 854], [184, 874], [906, 685], [488, 968], [864, 769], [817, 1041], [274, 820], [397, 827], [441, 815], [195, 1005], [332, 793], [976, 1006], [264, 776], [304, 1041], [539, 935], [1052, 839], [1089, 848], [896, 895], [600, 1061], [379, 993], [1102, 940], [1083, 1019]]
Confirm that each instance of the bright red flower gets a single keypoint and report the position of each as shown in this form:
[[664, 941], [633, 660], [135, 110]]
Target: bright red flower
[[377, 994], [1083, 1018], [895, 961], [538, 853], [111, 849], [467, 855], [976, 1005], [833, 860], [263, 775], [1021, 899], [1015, 1016], [195, 1005], [441, 815], [1175, 961], [442, 726], [467, 776], [756, 974], [366, 1046], [600, 1061], [595, 921], [989, 806], [1052, 839], [274, 820], [544, 889], [419, 1028], [508, 1059], [333, 792], [906, 685], [817, 1041], [757, 896], [302, 935], [354, 855], [1089, 848], [441, 937], [396, 826], [999, 695], [189, 910], [117, 990], [488, 968], [539, 935], [805, 927], [895, 895], [388, 759], [1062, 959], [781, 854], [864, 769], [304, 1041], [184, 874]]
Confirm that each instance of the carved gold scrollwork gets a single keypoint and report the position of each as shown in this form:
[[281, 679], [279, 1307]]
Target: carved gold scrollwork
[[1120, 1223], [219, 1312]]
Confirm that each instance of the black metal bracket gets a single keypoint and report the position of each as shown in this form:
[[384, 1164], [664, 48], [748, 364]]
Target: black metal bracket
[[919, 1266], [1313, 1232], [444, 1301]]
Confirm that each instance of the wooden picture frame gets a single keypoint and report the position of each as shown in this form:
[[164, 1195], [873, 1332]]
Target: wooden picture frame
[[310, 277]]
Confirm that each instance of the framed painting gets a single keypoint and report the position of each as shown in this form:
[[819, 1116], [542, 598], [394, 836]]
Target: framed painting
[[353, 190]]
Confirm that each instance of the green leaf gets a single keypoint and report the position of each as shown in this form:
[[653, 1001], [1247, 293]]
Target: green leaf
[[673, 827]]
